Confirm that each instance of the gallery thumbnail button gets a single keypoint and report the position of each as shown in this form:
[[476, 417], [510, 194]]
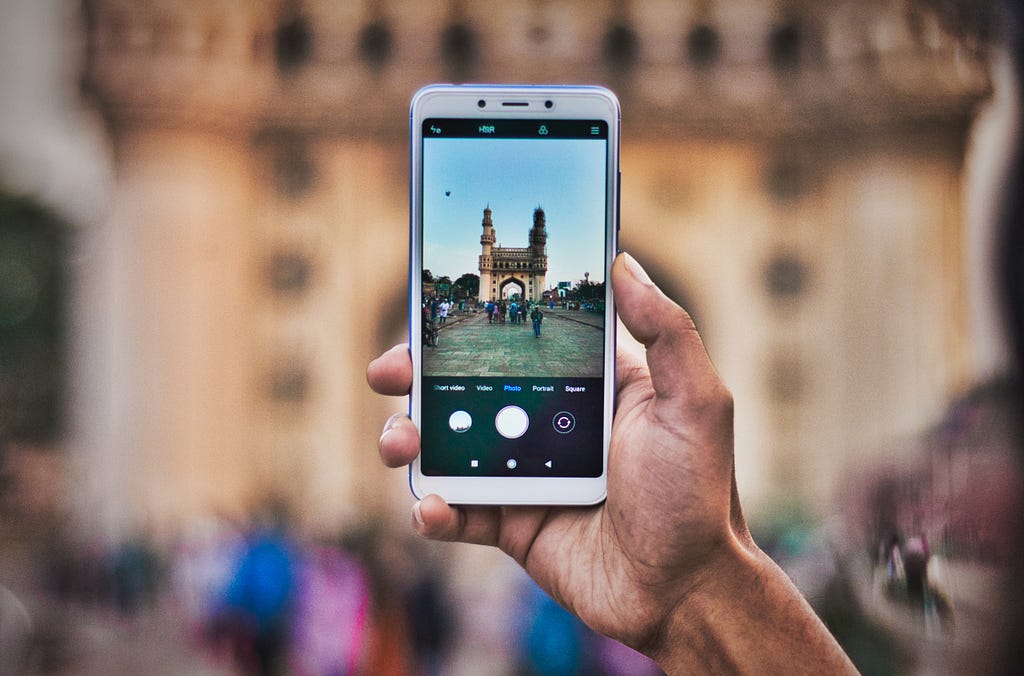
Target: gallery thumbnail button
[[460, 421]]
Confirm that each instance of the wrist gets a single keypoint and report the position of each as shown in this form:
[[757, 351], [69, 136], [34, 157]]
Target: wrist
[[746, 615]]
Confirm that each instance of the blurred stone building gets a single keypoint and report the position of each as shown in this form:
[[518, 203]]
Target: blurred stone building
[[792, 173]]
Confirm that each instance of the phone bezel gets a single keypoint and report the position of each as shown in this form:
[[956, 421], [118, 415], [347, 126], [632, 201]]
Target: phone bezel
[[515, 102]]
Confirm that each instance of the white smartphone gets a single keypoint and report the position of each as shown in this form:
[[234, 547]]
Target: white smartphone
[[514, 223]]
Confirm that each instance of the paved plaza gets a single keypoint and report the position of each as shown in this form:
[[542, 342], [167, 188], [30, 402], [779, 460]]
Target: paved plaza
[[570, 346]]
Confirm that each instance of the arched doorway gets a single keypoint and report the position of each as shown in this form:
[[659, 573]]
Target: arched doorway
[[512, 289]]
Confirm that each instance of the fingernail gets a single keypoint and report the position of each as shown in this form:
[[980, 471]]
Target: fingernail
[[417, 514], [388, 426], [638, 273]]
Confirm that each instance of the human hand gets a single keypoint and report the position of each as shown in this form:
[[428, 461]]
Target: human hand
[[644, 564]]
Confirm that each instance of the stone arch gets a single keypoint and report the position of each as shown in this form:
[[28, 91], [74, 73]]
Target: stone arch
[[511, 280]]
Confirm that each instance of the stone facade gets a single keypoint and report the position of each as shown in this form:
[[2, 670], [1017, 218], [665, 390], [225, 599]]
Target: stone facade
[[791, 172]]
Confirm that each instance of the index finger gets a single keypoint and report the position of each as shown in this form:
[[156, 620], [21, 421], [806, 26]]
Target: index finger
[[391, 373]]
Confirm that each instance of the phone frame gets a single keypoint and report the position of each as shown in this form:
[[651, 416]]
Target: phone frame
[[513, 102]]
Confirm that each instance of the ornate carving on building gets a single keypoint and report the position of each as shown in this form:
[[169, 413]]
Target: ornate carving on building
[[746, 68]]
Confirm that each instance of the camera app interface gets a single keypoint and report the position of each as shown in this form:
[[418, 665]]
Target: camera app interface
[[513, 302]]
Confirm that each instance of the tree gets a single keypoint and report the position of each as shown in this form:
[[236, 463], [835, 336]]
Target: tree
[[469, 282], [596, 291], [34, 283], [428, 276]]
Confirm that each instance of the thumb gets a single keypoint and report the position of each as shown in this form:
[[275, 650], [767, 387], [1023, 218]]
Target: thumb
[[679, 365]]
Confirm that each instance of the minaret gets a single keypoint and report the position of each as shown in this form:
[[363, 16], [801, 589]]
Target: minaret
[[539, 251], [539, 233], [487, 239], [486, 262]]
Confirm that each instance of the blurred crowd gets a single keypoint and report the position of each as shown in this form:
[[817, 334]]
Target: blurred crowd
[[919, 585], [257, 597]]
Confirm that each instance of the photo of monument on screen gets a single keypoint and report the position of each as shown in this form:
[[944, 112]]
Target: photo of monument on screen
[[523, 267], [526, 217]]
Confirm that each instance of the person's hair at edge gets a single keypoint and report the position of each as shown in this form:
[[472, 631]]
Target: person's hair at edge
[[982, 25], [1010, 273]]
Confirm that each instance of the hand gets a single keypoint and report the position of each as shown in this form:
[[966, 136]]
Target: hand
[[643, 566]]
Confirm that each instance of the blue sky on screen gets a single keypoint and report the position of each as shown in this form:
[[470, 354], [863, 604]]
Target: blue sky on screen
[[514, 176]]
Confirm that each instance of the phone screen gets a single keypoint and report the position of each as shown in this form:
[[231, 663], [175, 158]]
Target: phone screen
[[514, 249]]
